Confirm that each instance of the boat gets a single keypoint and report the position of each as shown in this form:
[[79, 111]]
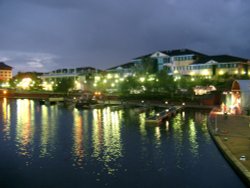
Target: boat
[[85, 104]]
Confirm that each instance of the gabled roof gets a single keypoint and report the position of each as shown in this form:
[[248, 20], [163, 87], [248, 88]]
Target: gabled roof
[[3, 66], [178, 52], [124, 66], [220, 59]]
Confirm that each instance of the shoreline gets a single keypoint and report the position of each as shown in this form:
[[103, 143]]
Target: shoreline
[[228, 140]]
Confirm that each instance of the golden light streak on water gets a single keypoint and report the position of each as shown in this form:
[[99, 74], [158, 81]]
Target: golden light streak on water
[[48, 130], [97, 133], [142, 118], [178, 137], [24, 128], [6, 119], [193, 137], [112, 147], [44, 131], [78, 147], [167, 126], [157, 136]]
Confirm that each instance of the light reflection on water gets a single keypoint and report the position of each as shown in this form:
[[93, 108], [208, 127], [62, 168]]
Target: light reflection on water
[[48, 130], [104, 143], [192, 138], [112, 146], [142, 118], [78, 148], [25, 127], [6, 118]]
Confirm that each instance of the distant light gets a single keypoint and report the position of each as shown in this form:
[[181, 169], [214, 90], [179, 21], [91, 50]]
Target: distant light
[[109, 76], [25, 83], [5, 92], [166, 102], [205, 72], [221, 72], [142, 79], [183, 104]]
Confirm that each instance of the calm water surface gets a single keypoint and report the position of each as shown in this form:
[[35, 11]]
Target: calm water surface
[[55, 146]]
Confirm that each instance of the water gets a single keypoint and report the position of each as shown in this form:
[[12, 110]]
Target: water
[[54, 146]]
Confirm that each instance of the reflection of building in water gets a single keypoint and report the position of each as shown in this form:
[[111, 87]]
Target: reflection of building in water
[[199, 117], [6, 118], [178, 137], [78, 147], [97, 132], [25, 126], [193, 137], [142, 117], [107, 138], [157, 136], [44, 131], [48, 115]]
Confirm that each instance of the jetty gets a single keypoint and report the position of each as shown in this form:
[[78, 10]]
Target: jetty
[[52, 100], [165, 114]]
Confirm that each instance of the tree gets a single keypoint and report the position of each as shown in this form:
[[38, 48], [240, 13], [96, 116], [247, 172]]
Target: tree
[[164, 82], [34, 76], [149, 65], [63, 84]]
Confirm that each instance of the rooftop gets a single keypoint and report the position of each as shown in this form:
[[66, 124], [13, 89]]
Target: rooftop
[[3, 66], [220, 59]]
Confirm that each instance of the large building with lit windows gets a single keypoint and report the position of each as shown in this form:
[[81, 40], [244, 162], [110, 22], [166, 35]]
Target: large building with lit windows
[[177, 63], [217, 65], [188, 62], [5, 72], [80, 75]]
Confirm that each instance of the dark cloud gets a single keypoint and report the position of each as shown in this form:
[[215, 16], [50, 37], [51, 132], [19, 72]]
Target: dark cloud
[[107, 33]]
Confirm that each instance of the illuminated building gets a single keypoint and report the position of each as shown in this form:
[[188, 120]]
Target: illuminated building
[[82, 76], [219, 65], [188, 62], [5, 72], [239, 96]]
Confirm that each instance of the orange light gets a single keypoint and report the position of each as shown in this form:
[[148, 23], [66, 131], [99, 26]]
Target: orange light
[[4, 92], [97, 93]]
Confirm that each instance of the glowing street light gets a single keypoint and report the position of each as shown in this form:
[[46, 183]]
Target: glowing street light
[[142, 79], [25, 83]]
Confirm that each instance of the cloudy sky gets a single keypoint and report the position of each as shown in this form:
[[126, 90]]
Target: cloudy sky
[[44, 35]]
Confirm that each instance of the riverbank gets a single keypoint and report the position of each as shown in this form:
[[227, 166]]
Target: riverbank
[[231, 133]]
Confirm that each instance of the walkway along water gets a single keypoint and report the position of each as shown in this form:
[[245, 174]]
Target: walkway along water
[[231, 133]]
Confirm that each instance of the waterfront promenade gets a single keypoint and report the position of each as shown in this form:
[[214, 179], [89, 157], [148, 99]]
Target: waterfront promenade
[[232, 135]]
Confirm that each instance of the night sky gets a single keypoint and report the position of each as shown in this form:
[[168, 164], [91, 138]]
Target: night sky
[[44, 35]]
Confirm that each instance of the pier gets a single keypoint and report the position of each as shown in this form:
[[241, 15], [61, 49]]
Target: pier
[[165, 114]]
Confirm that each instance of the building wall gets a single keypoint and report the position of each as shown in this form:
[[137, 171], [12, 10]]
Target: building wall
[[231, 68], [5, 75]]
